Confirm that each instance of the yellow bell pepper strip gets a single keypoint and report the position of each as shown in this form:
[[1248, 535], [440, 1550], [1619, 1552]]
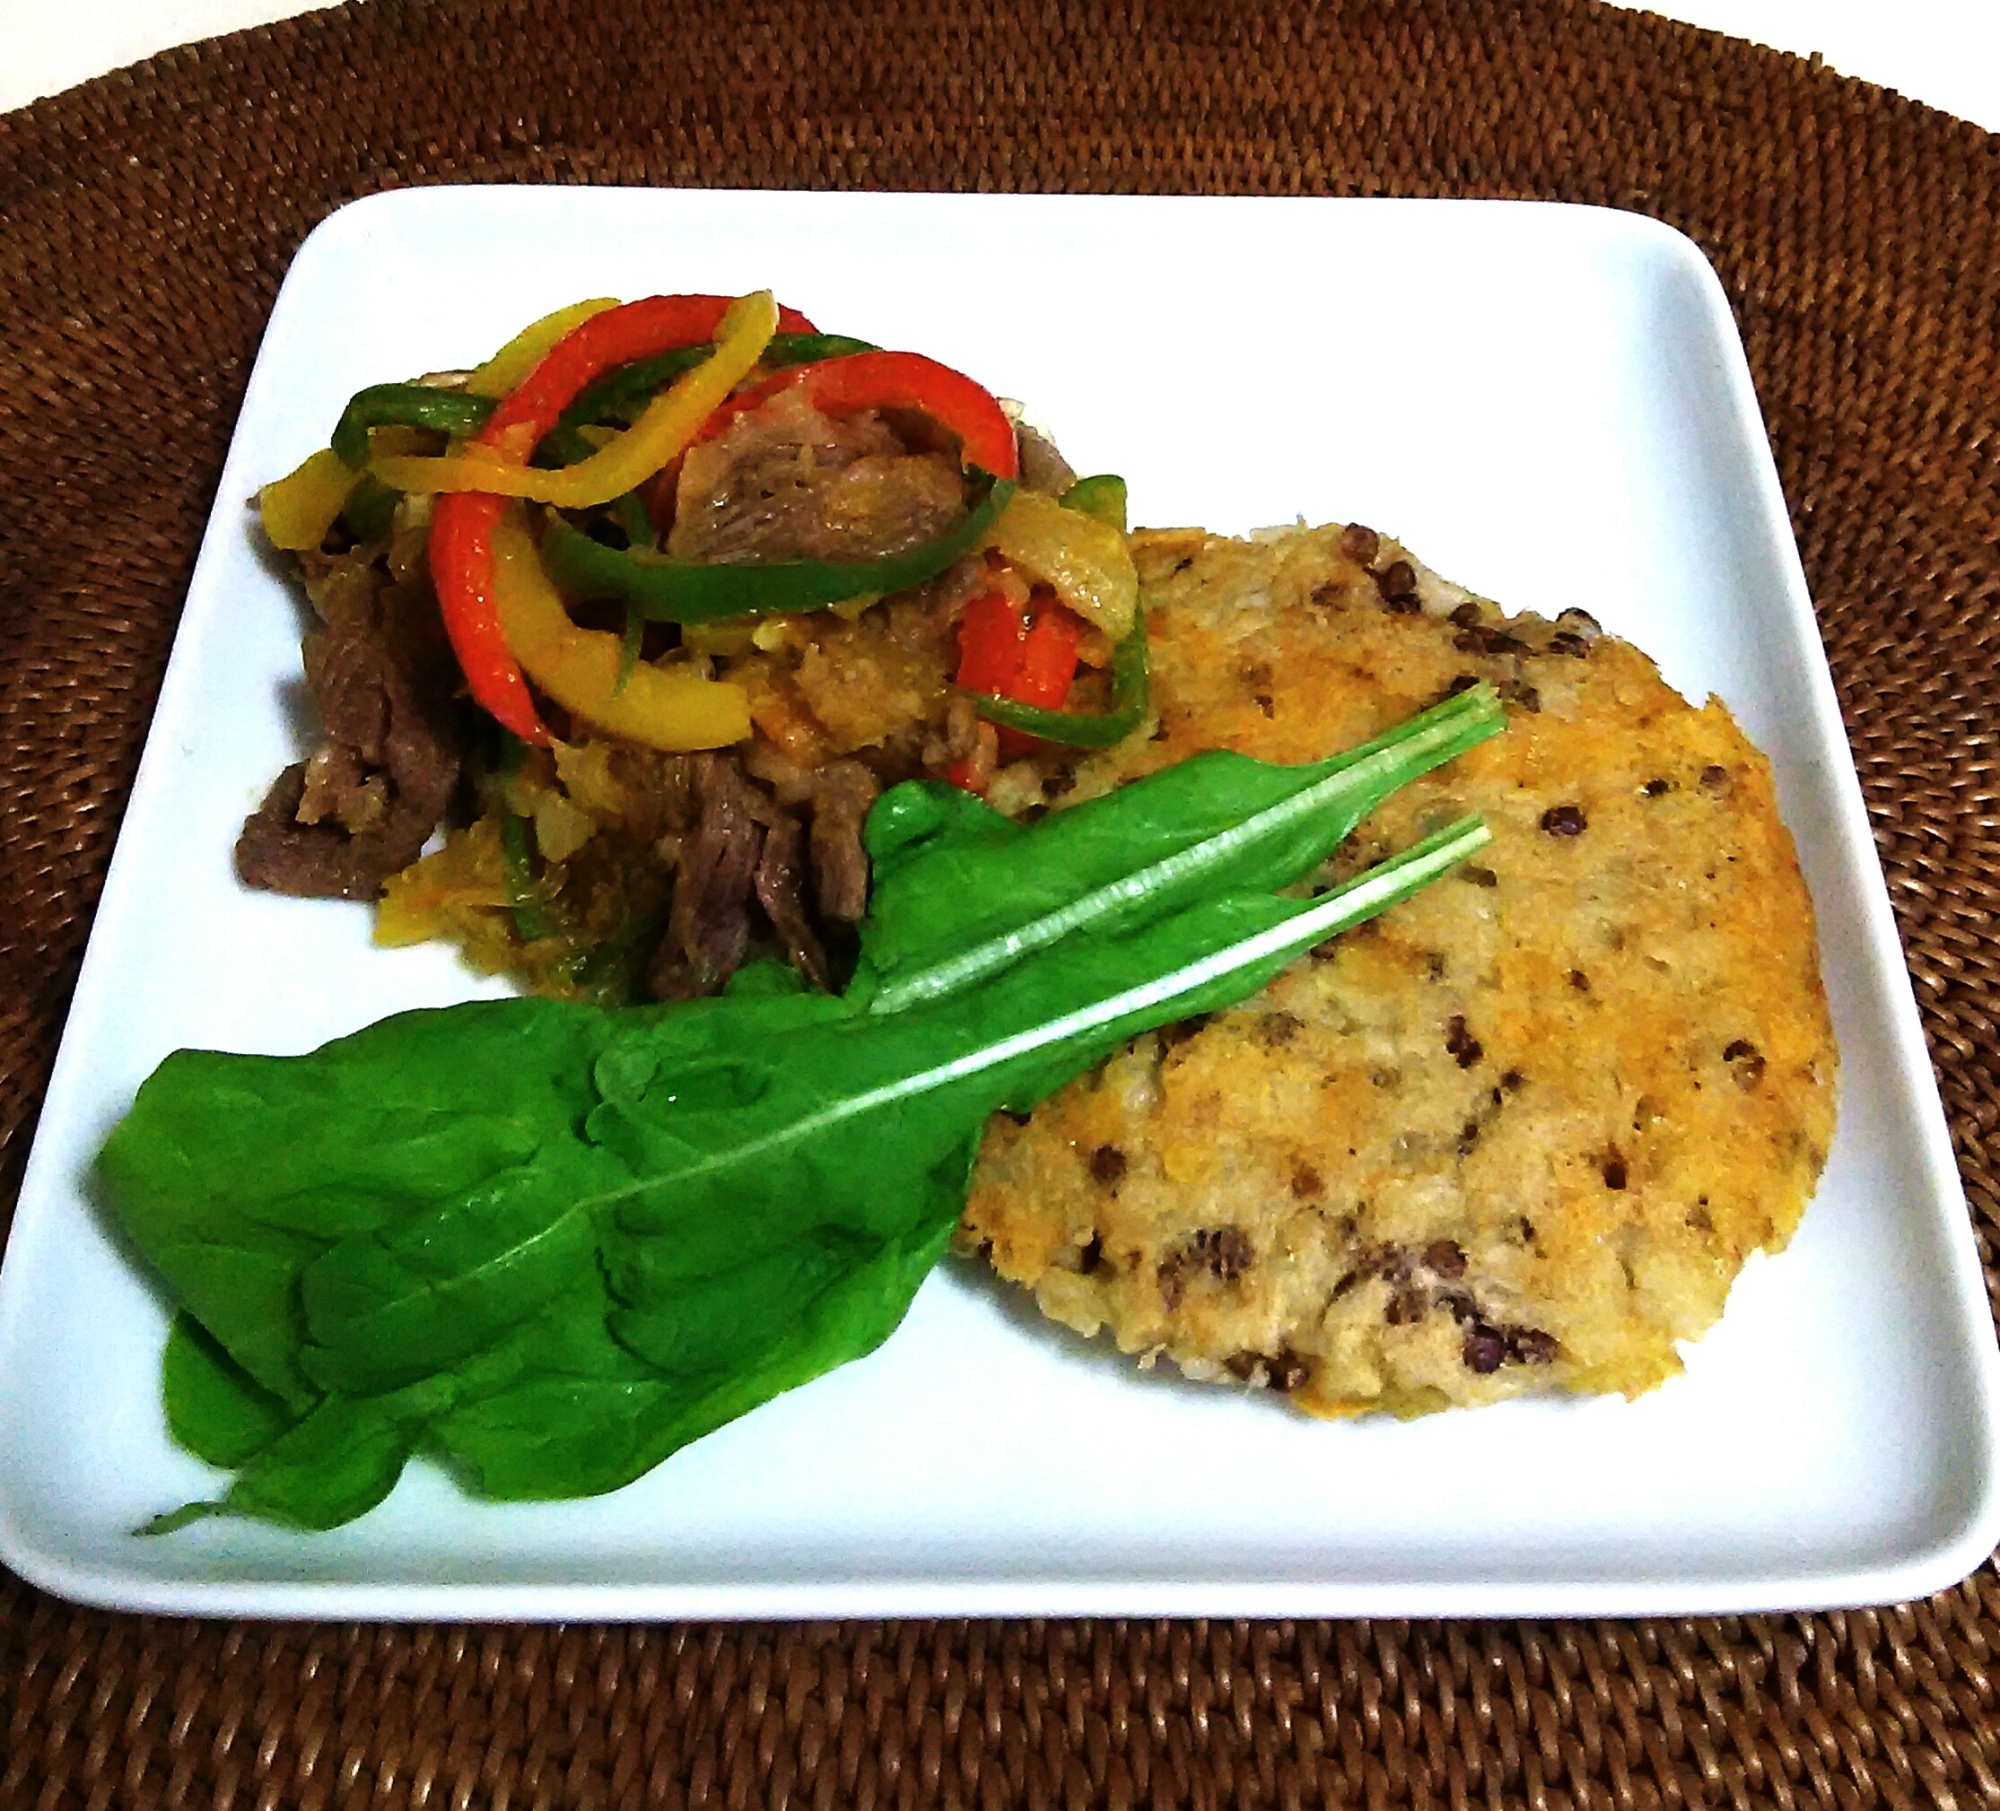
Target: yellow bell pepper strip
[[493, 464], [462, 524], [666, 708], [507, 367], [457, 412], [1083, 559], [299, 508]]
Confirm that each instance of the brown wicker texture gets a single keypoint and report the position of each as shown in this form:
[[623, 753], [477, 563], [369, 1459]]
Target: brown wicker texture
[[145, 221]]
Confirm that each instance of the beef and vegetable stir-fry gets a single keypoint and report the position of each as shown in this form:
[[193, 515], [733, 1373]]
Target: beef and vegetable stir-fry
[[644, 614]]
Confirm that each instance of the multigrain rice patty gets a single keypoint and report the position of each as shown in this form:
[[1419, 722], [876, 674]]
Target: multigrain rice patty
[[1518, 1134]]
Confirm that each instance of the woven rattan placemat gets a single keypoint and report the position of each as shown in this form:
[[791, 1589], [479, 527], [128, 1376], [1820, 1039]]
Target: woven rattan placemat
[[145, 221]]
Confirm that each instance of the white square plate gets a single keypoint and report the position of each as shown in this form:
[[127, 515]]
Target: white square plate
[[1551, 405]]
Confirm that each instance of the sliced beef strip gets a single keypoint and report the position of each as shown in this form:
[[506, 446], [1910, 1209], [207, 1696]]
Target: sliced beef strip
[[1042, 467], [778, 880], [841, 795], [361, 809], [708, 926], [787, 482], [281, 855]]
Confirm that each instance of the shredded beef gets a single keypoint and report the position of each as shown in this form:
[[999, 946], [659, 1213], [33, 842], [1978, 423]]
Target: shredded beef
[[339, 824], [841, 796], [749, 867], [777, 883], [708, 927]]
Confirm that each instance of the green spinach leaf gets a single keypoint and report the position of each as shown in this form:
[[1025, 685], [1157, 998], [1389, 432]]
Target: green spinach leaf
[[214, 1407], [961, 892], [551, 1243]]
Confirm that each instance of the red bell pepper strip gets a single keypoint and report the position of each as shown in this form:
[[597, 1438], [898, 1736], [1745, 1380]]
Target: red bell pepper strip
[[1029, 659], [461, 558], [462, 523], [1048, 659], [1131, 699], [989, 643], [893, 380]]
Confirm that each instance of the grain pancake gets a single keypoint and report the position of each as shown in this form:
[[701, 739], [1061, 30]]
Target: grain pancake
[[1518, 1134]]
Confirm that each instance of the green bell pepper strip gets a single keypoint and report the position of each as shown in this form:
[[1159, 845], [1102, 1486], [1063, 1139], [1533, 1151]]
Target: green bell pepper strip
[[685, 591], [1131, 698], [370, 509], [629, 512], [404, 406], [455, 412], [564, 444], [531, 919], [1101, 496], [630, 641], [789, 349], [611, 401]]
